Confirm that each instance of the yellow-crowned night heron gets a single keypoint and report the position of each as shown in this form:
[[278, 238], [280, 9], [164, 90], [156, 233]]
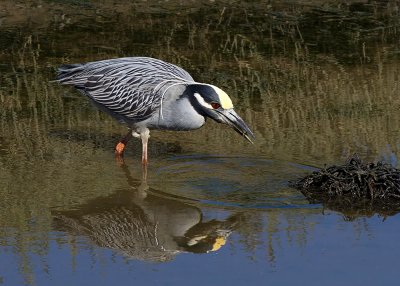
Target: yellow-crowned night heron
[[147, 93]]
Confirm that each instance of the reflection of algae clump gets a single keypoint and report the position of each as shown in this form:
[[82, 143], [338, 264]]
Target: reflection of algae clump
[[354, 188]]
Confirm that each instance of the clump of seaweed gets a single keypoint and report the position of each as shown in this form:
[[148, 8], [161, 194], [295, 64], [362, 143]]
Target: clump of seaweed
[[355, 187]]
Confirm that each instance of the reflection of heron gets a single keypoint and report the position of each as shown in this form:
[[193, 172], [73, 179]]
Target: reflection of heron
[[145, 226], [147, 94]]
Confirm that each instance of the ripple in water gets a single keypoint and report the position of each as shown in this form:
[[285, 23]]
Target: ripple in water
[[232, 181]]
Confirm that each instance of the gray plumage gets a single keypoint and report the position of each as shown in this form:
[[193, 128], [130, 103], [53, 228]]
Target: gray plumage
[[147, 93], [131, 89]]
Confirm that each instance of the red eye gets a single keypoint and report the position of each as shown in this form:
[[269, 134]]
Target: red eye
[[215, 105]]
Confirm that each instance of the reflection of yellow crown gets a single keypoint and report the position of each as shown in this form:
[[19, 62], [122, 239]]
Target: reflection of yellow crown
[[219, 242]]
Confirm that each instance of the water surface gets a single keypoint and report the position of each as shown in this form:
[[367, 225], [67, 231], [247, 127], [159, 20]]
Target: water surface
[[316, 82]]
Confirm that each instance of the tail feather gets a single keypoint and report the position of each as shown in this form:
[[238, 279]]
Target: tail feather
[[70, 74]]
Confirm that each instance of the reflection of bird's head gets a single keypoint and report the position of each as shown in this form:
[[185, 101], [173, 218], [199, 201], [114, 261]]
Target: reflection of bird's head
[[219, 242], [205, 243]]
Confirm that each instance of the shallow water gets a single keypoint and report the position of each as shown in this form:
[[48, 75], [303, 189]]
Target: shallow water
[[237, 182], [315, 82]]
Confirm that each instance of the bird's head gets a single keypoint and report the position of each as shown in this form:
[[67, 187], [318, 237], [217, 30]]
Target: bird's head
[[213, 102]]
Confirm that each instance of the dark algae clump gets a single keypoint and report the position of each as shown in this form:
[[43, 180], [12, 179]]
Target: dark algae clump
[[354, 179], [355, 188]]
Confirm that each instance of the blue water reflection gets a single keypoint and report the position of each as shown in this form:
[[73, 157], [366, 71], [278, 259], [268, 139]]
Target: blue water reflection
[[315, 249]]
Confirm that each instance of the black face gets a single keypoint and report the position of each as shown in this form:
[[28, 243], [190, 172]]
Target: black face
[[208, 93], [206, 101]]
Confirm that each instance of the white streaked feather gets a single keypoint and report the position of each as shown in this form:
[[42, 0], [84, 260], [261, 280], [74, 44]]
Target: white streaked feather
[[131, 87]]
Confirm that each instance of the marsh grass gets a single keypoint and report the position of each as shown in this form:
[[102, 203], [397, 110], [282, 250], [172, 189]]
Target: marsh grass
[[284, 86], [309, 95]]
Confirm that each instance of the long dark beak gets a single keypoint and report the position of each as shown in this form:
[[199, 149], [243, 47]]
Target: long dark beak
[[230, 117]]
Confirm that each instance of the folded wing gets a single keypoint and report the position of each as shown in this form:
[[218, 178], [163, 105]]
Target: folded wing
[[131, 88]]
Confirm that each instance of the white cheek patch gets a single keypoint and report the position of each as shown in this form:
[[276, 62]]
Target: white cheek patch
[[224, 99], [202, 102], [196, 240]]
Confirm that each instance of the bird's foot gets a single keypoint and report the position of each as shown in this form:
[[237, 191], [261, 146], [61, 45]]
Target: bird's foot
[[119, 160], [119, 149]]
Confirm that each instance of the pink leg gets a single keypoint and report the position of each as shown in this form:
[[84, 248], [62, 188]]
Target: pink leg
[[144, 173], [145, 138]]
